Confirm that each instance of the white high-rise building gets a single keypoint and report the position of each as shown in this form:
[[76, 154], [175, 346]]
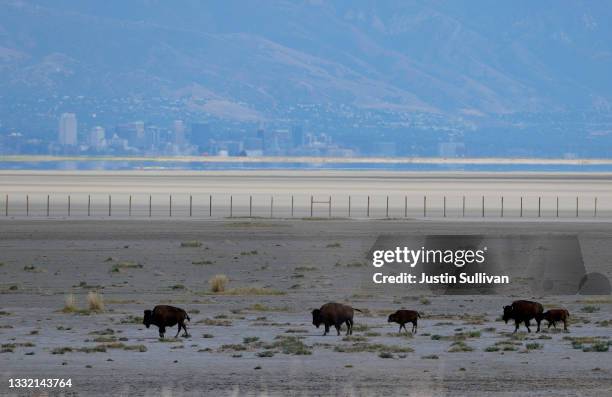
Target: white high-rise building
[[68, 129], [97, 138], [179, 132]]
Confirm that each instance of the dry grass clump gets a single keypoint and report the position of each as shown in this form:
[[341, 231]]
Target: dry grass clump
[[70, 305], [95, 302], [218, 283], [122, 266], [191, 244], [253, 291]]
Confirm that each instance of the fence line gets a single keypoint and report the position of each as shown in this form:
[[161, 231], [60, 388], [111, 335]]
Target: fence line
[[289, 206]]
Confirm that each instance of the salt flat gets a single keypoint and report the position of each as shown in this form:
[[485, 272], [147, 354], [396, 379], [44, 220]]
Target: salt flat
[[293, 266], [274, 193]]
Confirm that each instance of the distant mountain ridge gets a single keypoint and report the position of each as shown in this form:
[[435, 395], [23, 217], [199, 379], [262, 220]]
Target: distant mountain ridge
[[248, 60]]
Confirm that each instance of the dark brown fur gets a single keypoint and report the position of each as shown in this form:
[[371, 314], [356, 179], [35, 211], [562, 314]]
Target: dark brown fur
[[334, 314], [554, 315], [166, 316], [405, 316], [523, 311]]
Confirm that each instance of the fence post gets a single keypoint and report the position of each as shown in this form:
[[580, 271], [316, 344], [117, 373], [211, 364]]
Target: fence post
[[521, 206], [387, 212], [349, 207], [251, 206], [130, 207], [483, 210], [444, 210], [6, 206], [88, 205], [271, 206], [110, 205], [27, 205], [424, 206], [539, 206], [502, 206], [170, 205], [576, 206], [368, 208], [47, 205], [190, 205], [557, 206], [210, 205], [463, 210], [292, 205], [68, 205], [231, 206], [150, 205], [311, 206], [329, 207], [595, 208], [405, 206]]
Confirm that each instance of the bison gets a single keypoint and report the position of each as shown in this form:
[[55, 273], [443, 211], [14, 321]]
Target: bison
[[166, 316], [334, 314], [523, 311], [554, 315], [405, 316]]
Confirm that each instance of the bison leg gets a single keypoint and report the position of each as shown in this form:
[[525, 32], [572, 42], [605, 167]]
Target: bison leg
[[516, 326], [565, 325], [527, 325], [186, 334], [349, 323], [162, 331], [400, 329], [539, 321], [338, 326], [414, 327], [326, 329]]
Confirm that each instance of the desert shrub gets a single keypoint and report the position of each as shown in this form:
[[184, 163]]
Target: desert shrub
[[460, 346], [95, 302], [70, 305], [533, 346], [218, 283], [191, 244]]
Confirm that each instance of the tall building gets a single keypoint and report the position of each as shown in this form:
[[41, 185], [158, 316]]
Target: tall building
[[297, 136], [179, 132], [68, 129], [97, 138]]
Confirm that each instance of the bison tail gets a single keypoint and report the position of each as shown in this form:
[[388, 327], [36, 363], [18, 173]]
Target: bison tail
[[357, 310], [418, 315], [187, 317]]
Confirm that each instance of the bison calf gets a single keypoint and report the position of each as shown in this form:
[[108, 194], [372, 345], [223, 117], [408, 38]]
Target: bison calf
[[523, 311], [166, 316], [554, 315], [334, 314], [405, 316]]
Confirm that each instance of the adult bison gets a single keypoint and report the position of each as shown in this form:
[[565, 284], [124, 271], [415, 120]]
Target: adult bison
[[166, 316], [405, 316], [334, 314], [523, 311], [554, 315]]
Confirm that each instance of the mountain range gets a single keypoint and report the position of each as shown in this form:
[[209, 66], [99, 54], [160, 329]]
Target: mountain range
[[252, 60]]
